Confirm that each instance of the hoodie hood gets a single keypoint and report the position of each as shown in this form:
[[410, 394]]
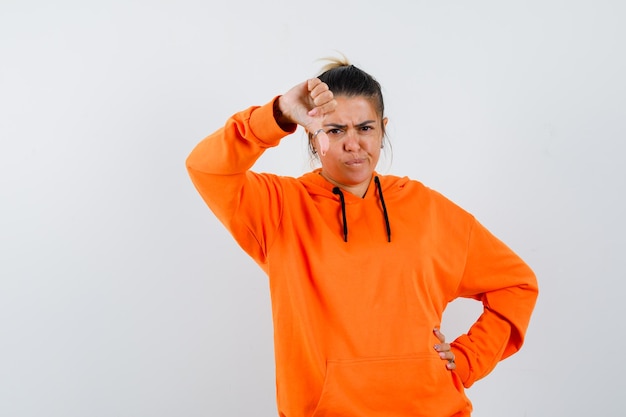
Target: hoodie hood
[[317, 185]]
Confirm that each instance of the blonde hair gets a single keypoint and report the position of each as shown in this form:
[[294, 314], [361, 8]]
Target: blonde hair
[[334, 62]]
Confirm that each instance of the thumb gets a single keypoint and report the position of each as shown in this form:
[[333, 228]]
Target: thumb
[[323, 142]]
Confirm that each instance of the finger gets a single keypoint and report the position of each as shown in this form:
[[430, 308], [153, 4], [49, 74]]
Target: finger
[[323, 98], [325, 108], [323, 101], [444, 350], [447, 355], [314, 82], [319, 89], [439, 335], [323, 143], [320, 92], [442, 347], [451, 363]]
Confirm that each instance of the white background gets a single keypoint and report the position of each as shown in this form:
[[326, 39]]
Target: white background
[[121, 295]]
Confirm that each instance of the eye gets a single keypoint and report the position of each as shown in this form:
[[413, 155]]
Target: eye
[[334, 131], [366, 128]]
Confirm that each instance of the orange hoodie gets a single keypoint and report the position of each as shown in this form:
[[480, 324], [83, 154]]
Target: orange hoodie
[[358, 287]]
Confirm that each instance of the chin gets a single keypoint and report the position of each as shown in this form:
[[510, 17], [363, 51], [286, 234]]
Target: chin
[[357, 179]]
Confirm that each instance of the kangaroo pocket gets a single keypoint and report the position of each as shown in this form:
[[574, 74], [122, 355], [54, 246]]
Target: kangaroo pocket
[[390, 387]]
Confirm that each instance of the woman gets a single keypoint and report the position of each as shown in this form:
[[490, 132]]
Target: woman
[[361, 266]]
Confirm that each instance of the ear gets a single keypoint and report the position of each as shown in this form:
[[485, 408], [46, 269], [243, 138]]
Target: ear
[[312, 147], [382, 140]]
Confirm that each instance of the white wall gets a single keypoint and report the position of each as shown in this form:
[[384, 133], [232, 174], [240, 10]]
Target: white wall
[[121, 295]]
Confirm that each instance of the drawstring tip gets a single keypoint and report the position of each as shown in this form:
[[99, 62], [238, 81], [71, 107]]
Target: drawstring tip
[[382, 203], [337, 191]]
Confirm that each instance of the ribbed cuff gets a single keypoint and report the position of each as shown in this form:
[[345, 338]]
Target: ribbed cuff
[[264, 125]]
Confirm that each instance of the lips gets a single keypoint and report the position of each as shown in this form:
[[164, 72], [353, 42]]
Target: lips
[[355, 161]]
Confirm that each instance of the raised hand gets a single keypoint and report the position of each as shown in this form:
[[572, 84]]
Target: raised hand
[[307, 104]]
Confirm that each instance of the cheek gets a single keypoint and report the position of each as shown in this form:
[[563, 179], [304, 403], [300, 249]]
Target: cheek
[[376, 156], [331, 157], [375, 146]]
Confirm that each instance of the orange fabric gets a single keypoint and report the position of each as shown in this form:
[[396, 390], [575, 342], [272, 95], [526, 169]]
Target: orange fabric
[[354, 320]]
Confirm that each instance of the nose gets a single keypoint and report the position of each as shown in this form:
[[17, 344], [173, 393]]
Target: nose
[[351, 141]]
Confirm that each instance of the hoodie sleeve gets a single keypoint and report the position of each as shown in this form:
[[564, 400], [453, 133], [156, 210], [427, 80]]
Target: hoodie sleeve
[[507, 287], [247, 203]]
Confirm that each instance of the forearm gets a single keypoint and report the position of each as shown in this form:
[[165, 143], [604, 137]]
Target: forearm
[[235, 147], [507, 287], [219, 163], [492, 338]]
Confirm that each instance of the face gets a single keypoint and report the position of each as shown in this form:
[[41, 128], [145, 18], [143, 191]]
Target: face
[[356, 134]]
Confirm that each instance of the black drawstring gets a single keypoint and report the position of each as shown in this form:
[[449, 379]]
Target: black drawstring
[[337, 190], [382, 202]]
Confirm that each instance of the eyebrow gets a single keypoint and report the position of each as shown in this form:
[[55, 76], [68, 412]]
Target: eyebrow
[[338, 126]]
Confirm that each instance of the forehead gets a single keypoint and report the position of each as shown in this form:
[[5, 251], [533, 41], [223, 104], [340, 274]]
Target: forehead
[[353, 109]]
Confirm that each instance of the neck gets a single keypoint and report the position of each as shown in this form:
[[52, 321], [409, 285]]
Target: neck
[[358, 190]]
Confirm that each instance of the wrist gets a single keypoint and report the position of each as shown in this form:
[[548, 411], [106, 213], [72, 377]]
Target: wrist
[[282, 121]]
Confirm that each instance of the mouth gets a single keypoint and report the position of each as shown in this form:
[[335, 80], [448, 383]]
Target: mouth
[[356, 161]]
